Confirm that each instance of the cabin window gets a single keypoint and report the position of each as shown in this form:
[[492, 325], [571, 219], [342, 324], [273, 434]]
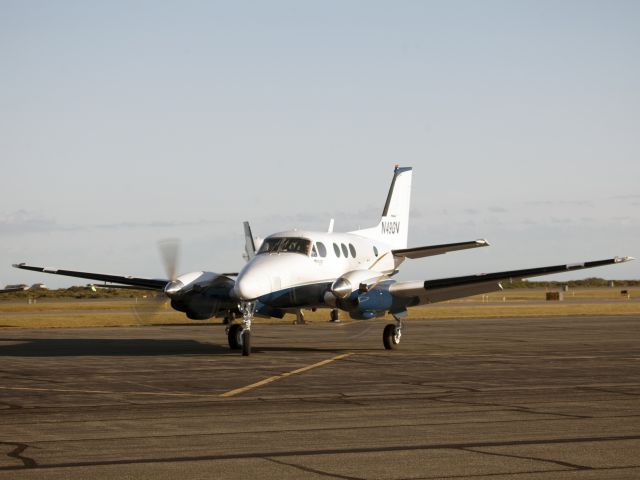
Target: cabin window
[[336, 249], [344, 250], [375, 251], [352, 249], [322, 250]]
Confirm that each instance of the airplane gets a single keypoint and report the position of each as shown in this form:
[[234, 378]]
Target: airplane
[[15, 288], [298, 269], [23, 287]]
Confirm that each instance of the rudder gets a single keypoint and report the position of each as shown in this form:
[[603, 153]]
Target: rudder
[[393, 228]]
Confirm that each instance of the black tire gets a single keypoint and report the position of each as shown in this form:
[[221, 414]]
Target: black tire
[[246, 343], [335, 315], [389, 337], [235, 336]]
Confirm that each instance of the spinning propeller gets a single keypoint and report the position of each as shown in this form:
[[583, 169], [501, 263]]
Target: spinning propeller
[[169, 250]]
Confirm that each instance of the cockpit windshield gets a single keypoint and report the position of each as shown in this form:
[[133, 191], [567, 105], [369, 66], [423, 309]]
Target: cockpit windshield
[[285, 245], [270, 245]]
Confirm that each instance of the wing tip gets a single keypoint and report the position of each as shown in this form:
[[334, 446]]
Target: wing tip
[[18, 265], [482, 242], [623, 259]]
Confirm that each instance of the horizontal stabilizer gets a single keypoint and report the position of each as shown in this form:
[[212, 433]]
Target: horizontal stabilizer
[[419, 252]]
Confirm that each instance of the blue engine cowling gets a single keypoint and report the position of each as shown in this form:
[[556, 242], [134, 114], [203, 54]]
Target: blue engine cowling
[[372, 304]]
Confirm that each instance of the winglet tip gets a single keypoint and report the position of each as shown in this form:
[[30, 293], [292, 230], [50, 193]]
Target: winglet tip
[[624, 259]]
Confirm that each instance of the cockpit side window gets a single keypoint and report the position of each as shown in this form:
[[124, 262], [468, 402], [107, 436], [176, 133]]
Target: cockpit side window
[[314, 252]]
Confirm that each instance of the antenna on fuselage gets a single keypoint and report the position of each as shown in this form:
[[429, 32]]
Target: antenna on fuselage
[[330, 226]]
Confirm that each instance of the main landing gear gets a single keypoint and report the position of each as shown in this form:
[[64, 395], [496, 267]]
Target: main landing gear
[[393, 332], [239, 335], [299, 318]]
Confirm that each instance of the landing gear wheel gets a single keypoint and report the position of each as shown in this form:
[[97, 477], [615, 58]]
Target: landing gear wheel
[[246, 343], [391, 337], [335, 315], [235, 336]]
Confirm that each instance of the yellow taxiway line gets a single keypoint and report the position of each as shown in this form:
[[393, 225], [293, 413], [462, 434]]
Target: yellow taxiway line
[[238, 391], [230, 393]]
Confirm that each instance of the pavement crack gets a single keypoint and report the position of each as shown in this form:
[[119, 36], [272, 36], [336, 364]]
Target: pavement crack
[[449, 389], [313, 470], [17, 453], [327, 451], [616, 392], [11, 406], [515, 408], [572, 466]]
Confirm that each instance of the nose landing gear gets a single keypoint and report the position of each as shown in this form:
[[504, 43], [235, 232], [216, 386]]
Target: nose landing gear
[[247, 309]]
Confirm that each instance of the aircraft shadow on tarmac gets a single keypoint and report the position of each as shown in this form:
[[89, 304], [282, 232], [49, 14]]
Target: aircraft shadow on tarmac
[[79, 347]]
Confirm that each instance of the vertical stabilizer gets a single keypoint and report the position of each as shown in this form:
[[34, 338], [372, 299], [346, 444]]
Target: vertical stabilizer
[[393, 228], [251, 243]]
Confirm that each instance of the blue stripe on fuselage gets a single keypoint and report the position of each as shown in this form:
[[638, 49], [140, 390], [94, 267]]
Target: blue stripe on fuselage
[[301, 296]]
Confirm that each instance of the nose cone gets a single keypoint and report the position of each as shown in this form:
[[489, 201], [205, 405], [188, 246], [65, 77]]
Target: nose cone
[[342, 288], [250, 286]]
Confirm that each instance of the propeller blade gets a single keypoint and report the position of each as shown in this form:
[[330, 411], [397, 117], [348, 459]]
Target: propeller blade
[[147, 310], [169, 252], [356, 329]]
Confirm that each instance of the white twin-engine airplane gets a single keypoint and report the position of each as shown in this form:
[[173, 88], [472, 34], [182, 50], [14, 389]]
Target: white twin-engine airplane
[[351, 271]]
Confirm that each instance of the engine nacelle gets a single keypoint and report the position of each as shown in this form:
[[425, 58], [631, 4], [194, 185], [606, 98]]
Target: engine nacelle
[[371, 304], [363, 305], [348, 283], [375, 300]]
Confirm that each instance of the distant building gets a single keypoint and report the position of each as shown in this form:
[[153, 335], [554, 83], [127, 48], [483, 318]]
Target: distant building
[[17, 286], [38, 286]]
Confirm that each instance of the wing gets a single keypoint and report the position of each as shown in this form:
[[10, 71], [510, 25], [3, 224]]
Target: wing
[[145, 283], [431, 291], [419, 252]]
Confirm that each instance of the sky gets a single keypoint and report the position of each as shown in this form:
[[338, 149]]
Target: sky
[[126, 123]]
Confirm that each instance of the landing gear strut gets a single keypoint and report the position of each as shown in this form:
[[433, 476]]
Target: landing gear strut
[[228, 318], [393, 333], [247, 309], [299, 318]]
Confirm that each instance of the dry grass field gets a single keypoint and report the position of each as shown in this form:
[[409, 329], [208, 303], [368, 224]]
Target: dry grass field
[[128, 312]]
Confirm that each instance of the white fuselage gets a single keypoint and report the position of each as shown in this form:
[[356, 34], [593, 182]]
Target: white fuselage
[[319, 257]]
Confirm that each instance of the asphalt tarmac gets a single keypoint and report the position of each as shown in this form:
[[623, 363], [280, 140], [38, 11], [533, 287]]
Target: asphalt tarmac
[[528, 398]]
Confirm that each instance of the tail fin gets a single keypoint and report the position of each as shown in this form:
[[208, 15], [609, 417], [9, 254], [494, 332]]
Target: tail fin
[[251, 244], [393, 228]]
